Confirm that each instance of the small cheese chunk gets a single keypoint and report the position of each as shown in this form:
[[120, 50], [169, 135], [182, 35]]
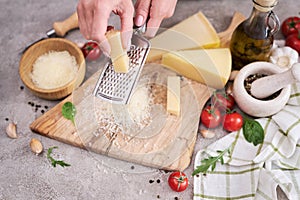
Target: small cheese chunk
[[208, 66], [195, 32], [118, 54], [173, 95]]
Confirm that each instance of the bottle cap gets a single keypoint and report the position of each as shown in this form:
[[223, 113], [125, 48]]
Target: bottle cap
[[265, 5]]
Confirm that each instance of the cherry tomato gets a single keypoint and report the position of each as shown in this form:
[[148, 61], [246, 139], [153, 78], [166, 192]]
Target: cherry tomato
[[91, 51], [233, 121], [290, 25], [211, 117], [178, 181], [293, 41], [223, 101]]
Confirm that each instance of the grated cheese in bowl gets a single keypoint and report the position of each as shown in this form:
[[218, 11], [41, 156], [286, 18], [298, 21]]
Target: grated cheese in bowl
[[54, 69]]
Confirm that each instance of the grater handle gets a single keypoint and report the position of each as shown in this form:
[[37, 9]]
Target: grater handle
[[141, 29]]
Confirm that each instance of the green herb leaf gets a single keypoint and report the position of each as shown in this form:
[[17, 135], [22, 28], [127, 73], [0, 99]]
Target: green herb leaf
[[253, 131], [211, 161], [62, 163], [69, 111], [53, 161]]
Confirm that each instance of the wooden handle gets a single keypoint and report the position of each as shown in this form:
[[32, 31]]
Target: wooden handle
[[236, 20], [268, 85], [225, 36], [61, 28]]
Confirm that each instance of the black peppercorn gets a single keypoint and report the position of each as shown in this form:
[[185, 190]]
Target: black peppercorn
[[151, 181]]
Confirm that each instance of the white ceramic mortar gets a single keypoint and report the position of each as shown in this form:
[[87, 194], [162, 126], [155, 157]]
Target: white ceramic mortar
[[256, 107]]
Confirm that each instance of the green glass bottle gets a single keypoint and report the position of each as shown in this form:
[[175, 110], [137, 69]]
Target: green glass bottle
[[253, 39]]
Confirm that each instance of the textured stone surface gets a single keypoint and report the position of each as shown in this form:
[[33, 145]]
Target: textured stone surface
[[24, 175]]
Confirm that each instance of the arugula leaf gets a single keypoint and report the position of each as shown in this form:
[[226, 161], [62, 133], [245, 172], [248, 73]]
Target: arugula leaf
[[211, 161], [69, 111], [253, 131], [53, 161]]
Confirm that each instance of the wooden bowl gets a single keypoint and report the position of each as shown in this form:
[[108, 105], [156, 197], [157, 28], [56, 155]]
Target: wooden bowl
[[42, 47]]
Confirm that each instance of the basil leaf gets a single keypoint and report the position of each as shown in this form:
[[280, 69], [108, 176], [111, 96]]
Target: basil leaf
[[253, 131], [69, 111]]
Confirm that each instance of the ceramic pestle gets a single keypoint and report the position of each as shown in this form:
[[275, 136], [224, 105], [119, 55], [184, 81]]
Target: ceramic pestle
[[268, 85]]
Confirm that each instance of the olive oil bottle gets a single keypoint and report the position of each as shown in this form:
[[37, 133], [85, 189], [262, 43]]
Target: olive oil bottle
[[253, 39]]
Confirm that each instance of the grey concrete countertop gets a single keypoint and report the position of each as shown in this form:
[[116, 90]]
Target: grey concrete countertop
[[24, 175]]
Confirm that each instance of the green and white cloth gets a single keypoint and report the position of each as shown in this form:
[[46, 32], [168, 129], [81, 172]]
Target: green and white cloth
[[254, 172]]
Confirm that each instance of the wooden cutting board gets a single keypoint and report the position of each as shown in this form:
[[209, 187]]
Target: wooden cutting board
[[162, 141]]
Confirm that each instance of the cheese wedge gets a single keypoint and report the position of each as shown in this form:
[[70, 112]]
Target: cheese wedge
[[118, 54], [195, 32], [208, 66], [173, 95]]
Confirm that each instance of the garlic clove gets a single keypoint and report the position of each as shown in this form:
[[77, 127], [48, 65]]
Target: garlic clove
[[36, 146], [11, 130], [207, 133], [229, 88]]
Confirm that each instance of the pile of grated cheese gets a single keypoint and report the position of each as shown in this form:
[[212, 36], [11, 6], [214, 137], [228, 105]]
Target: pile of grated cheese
[[54, 69], [126, 119], [139, 105]]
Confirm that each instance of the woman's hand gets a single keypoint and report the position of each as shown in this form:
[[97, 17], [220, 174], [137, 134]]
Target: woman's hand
[[93, 16], [157, 11]]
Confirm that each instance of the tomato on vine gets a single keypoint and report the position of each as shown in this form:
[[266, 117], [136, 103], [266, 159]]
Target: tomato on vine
[[223, 101], [211, 117]]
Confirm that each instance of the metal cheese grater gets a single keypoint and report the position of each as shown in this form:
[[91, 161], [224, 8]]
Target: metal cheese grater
[[118, 87]]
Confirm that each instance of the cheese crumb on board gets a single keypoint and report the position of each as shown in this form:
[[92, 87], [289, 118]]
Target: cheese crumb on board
[[173, 95], [118, 54], [54, 69], [195, 32], [207, 66]]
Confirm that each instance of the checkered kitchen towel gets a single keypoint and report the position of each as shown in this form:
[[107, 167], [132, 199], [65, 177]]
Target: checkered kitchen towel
[[254, 172]]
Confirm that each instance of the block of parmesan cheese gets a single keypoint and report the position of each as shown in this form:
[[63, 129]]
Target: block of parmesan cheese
[[173, 95], [195, 32], [118, 54], [208, 66]]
